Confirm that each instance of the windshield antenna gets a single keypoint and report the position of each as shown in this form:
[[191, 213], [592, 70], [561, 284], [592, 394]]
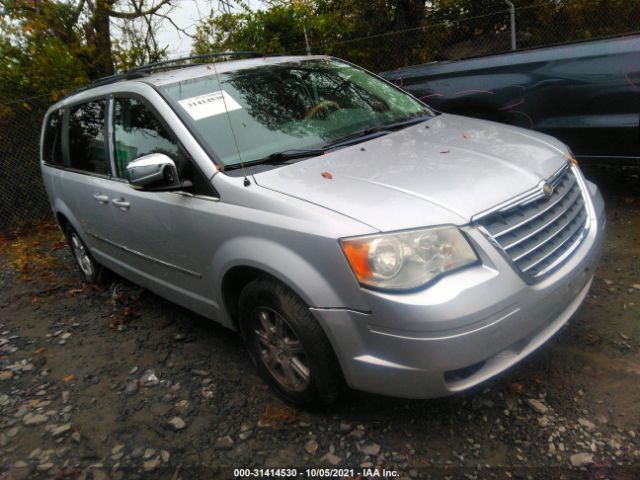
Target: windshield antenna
[[233, 133]]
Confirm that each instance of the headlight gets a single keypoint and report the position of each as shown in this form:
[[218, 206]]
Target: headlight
[[406, 260]]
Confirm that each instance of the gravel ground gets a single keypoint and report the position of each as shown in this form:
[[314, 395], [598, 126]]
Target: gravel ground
[[111, 381]]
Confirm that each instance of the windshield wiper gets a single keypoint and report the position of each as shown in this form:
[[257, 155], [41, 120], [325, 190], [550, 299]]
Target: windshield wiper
[[279, 157], [359, 136], [377, 131]]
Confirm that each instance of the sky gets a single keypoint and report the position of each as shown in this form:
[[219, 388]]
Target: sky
[[186, 14]]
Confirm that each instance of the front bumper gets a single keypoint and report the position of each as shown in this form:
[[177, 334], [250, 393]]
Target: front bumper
[[468, 327]]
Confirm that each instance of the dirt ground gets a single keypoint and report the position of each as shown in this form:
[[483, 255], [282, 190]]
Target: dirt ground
[[112, 381]]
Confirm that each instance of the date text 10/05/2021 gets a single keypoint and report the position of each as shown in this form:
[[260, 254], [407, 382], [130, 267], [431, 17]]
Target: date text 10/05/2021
[[315, 473]]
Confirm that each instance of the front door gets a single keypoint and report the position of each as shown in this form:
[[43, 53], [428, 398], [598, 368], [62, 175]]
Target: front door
[[164, 236]]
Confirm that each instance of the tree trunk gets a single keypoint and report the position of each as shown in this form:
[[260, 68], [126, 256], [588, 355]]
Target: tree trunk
[[99, 35], [407, 15]]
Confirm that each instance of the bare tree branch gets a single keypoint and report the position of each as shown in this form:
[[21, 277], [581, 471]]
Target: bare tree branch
[[77, 11], [179, 29], [152, 46], [135, 14]]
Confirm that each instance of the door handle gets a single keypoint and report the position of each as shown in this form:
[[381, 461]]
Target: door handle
[[101, 198], [121, 203]]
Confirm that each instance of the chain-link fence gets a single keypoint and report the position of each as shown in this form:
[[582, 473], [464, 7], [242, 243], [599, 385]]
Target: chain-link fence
[[22, 196], [449, 36]]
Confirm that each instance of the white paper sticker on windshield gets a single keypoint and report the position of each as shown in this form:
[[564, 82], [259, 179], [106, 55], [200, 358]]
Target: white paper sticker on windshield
[[210, 104]]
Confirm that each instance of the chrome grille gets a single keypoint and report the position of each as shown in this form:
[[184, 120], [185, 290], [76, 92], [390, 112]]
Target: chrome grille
[[538, 233]]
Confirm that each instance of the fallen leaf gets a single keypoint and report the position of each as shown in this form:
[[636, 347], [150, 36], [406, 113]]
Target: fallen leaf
[[58, 246], [69, 378], [593, 338], [273, 414], [517, 388], [41, 350]]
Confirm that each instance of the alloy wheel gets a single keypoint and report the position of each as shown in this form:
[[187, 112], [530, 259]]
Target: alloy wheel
[[82, 256], [280, 349]]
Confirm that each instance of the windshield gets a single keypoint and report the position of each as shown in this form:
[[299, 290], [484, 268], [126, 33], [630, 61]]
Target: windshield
[[292, 105]]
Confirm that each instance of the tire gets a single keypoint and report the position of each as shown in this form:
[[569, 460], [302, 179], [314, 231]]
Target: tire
[[89, 268], [287, 345]]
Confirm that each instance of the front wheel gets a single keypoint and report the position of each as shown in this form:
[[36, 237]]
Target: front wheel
[[89, 268], [288, 346]]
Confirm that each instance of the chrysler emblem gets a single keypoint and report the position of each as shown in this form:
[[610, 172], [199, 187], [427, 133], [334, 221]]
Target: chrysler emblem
[[547, 189]]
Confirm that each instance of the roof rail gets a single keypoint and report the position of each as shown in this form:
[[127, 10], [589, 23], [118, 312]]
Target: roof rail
[[128, 75], [165, 63], [145, 70]]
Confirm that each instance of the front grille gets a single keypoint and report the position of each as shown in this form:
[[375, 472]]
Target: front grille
[[539, 233]]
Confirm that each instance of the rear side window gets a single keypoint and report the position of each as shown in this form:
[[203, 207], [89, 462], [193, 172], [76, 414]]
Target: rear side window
[[138, 132], [52, 144], [87, 146]]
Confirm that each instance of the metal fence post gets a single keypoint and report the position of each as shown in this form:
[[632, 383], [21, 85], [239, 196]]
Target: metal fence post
[[306, 40], [512, 14]]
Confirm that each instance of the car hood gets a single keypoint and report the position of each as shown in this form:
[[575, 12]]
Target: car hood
[[442, 171]]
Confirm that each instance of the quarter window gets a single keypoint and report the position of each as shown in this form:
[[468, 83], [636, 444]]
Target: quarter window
[[87, 147], [138, 132], [52, 145]]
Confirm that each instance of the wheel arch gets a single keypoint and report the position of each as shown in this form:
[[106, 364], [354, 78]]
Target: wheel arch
[[64, 217], [241, 260], [233, 282], [62, 220]]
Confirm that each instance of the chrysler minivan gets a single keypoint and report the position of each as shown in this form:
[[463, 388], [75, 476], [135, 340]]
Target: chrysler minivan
[[352, 236]]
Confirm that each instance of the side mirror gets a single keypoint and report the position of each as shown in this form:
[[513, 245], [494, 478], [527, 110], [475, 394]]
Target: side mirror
[[155, 171]]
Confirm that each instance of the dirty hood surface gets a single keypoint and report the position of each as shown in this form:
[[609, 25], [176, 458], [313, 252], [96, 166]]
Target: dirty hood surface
[[444, 170]]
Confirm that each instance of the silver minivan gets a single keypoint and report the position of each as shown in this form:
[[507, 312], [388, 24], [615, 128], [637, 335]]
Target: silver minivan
[[352, 235]]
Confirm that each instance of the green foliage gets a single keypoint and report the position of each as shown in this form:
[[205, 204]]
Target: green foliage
[[280, 28], [332, 26], [41, 52], [134, 52]]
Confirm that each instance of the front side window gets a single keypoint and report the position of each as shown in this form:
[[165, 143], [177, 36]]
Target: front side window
[[137, 132], [87, 146], [260, 110], [52, 144]]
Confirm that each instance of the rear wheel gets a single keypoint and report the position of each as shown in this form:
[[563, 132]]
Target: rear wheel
[[89, 268], [288, 346]]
